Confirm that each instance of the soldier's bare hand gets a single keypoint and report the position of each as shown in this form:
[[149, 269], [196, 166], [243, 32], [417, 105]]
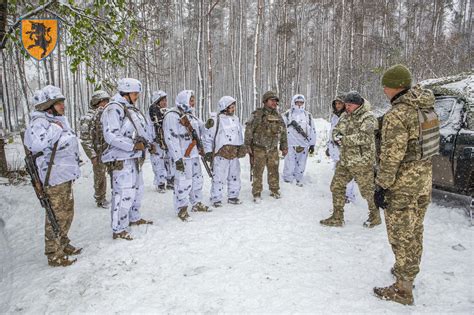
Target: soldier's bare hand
[[94, 161], [139, 146], [152, 149], [284, 152]]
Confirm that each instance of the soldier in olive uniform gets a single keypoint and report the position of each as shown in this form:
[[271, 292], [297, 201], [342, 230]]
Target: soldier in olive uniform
[[354, 134], [405, 177], [93, 144], [265, 130]]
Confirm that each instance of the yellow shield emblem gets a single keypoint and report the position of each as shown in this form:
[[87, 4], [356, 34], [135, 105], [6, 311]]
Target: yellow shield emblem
[[39, 37]]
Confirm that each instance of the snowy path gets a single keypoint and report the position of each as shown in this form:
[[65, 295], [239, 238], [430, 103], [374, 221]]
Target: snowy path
[[272, 258]]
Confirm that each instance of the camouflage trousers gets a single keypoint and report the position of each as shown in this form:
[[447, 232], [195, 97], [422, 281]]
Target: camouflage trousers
[[271, 160], [62, 203], [405, 233], [100, 182], [364, 177]]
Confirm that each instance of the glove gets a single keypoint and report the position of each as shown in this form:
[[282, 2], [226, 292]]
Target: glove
[[208, 157], [311, 149], [327, 153], [139, 146], [179, 165], [379, 197]]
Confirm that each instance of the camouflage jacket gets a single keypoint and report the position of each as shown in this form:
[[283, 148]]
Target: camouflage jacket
[[266, 129], [356, 132], [91, 133], [400, 169]]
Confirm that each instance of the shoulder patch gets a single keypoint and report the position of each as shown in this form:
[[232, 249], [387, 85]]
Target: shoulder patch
[[210, 123]]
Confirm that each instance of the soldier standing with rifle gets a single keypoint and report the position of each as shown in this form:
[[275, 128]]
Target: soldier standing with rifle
[[182, 132], [92, 140], [301, 140], [126, 131], [265, 131], [52, 155], [160, 161]]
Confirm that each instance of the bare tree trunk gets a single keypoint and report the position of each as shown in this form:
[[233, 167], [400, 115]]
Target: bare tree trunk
[[256, 53], [341, 44]]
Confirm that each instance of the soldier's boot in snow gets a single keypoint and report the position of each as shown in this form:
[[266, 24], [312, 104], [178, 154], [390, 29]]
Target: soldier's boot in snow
[[123, 235], [299, 184], [234, 201], [373, 220], [60, 261], [103, 204], [71, 250], [217, 204], [161, 188], [400, 292], [392, 271], [183, 214], [140, 222], [257, 199], [200, 207], [336, 219], [275, 194], [170, 184]]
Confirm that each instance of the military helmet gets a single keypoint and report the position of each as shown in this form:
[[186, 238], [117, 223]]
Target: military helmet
[[269, 95], [47, 97], [182, 100], [158, 96], [225, 102], [129, 85], [98, 96]]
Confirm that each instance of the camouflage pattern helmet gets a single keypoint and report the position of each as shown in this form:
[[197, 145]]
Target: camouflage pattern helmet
[[52, 95], [225, 102], [129, 85], [269, 95], [158, 96], [98, 96], [38, 100]]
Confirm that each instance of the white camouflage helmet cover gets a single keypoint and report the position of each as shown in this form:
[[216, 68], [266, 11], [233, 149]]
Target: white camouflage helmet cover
[[98, 96], [298, 98], [158, 95], [38, 99], [129, 85], [53, 94], [182, 100], [225, 102]]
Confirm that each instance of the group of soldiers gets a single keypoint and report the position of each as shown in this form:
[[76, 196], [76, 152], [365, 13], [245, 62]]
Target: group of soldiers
[[116, 135]]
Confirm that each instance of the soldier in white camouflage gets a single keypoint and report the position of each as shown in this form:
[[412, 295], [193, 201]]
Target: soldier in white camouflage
[[93, 144], [354, 135], [404, 177]]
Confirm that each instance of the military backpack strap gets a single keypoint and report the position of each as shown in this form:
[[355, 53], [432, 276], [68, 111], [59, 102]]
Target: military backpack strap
[[50, 164]]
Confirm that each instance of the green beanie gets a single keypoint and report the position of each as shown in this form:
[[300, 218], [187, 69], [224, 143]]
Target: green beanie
[[397, 76]]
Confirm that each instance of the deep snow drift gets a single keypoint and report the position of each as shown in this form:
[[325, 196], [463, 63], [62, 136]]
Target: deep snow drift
[[271, 257]]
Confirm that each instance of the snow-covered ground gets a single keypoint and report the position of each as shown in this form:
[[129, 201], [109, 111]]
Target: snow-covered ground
[[274, 257]]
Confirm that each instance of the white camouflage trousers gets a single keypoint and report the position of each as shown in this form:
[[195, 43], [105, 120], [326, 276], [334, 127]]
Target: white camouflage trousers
[[162, 168], [127, 193], [188, 184], [295, 164], [225, 172]]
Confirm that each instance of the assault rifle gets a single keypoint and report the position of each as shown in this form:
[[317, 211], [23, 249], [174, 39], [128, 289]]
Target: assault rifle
[[30, 162], [157, 118], [196, 142], [298, 129]]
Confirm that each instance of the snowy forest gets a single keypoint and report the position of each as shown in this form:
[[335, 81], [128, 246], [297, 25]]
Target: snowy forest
[[240, 48]]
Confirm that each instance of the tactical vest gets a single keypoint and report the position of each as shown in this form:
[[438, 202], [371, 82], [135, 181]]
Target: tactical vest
[[267, 130]]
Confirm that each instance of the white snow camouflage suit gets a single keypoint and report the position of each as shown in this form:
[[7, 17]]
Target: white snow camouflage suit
[[187, 184], [127, 177], [224, 130], [298, 146]]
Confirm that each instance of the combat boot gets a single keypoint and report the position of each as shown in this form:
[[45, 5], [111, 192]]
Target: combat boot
[[161, 188], [123, 235], [60, 261], [103, 204], [140, 222], [200, 207], [217, 204], [183, 214], [373, 220], [170, 184], [71, 250], [275, 194], [336, 219], [401, 292], [234, 201]]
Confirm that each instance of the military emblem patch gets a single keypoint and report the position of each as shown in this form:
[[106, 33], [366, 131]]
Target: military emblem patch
[[39, 37]]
